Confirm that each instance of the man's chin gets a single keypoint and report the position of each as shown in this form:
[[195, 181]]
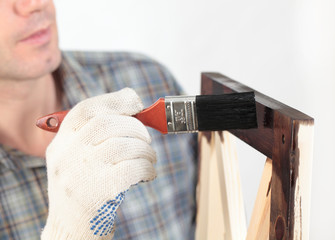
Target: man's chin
[[43, 66]]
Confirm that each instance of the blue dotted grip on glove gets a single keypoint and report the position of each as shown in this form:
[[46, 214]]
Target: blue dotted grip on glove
[[103, 222]]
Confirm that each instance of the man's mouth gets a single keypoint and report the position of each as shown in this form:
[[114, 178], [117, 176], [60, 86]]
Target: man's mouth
[[39, 37]]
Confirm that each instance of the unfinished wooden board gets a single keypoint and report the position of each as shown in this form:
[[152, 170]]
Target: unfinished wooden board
[[302, 181], [221, 212], [259, 226], [230, 186], [203, 190]]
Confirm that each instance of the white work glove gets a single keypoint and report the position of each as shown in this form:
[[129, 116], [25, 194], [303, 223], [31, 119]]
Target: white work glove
[[97, 154]]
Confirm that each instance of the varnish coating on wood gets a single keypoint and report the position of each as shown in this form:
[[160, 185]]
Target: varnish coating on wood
[[284, 135]]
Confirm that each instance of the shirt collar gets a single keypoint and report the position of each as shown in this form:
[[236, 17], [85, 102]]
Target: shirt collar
[[76, 79]]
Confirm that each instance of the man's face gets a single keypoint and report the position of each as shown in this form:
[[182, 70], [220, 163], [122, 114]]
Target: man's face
[[28, 39]]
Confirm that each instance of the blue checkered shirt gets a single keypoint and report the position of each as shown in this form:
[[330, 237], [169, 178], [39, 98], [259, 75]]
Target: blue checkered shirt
[[161, 209]]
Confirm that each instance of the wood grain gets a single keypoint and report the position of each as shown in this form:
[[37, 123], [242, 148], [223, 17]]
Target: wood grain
[[259, 226], [221, 214], [277, 137]]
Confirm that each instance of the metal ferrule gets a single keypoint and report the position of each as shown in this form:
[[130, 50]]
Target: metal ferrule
[[181, 114]]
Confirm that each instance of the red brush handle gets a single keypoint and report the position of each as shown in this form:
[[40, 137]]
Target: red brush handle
[[52, 121], [153, 116]]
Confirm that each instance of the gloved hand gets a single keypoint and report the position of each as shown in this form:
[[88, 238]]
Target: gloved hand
[[97, 154]]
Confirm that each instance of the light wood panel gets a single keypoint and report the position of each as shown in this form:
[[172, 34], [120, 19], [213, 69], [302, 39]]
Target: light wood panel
[[259, 225], [221, 212]]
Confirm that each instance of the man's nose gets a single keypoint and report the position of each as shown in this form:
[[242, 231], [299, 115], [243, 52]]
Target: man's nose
[[27, 7]]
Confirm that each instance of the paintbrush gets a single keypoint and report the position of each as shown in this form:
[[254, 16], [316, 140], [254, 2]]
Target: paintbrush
[[186, 114]]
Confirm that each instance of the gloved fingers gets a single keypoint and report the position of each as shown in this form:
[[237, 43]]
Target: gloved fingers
[[123, 102], [103, 127], [131, 172], [115, 150], [107, 182]]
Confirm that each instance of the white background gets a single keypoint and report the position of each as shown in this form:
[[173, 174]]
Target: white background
[[284, 49]]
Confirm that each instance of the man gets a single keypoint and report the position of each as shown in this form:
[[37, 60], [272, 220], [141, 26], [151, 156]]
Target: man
[[37, 79]]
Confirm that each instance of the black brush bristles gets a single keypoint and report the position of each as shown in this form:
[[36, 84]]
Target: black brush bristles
[[226, 111]]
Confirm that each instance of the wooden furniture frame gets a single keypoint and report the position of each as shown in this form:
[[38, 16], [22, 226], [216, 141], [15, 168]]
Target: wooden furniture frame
[[285, 136]]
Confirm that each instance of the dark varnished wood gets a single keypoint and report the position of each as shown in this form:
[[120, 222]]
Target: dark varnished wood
[[275, 137]]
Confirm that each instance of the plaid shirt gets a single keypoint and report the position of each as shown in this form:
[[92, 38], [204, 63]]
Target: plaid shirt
[[161, 209]]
